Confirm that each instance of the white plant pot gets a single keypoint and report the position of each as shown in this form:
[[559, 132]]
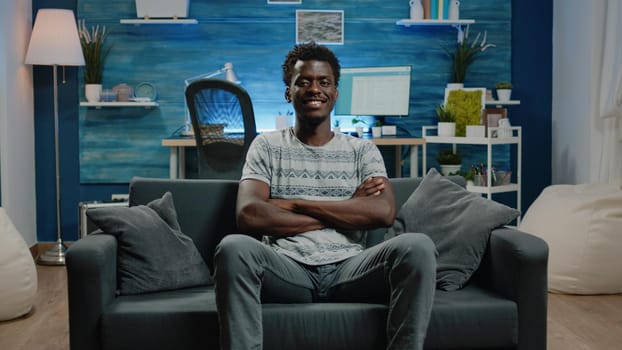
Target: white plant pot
[[504, 94], [446, 129], [93, 92], [376, 131], [455, 86], [447, 169], [475, 131], [336, 129], [359, 131]]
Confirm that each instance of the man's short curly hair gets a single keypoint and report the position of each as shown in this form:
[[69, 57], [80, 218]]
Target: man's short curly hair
[[307, 52]]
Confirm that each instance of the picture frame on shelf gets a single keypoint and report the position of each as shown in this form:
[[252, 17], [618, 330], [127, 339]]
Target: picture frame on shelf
[[325, 27], [491, 117], [468, 104]]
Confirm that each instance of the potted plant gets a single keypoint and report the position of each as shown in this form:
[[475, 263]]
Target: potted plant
[[464, 55], [504, 90], [376, 129], [92, 41], [449, 161], [336, 127], [359, 128], [446, 121]]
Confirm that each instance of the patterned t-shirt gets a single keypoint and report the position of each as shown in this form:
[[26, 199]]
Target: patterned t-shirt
[[295, 170]]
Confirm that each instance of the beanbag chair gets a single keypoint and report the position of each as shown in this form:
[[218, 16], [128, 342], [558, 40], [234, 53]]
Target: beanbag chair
[[582, 225], [18, 274]]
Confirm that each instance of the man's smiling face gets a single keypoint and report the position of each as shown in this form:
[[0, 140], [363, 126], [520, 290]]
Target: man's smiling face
[[312, 91]]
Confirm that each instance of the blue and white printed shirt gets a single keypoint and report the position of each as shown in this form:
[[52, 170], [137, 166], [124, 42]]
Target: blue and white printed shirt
[[294, 170]]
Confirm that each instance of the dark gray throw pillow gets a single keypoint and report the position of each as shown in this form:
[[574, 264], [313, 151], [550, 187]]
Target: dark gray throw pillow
[[458, 221], [153, 254]]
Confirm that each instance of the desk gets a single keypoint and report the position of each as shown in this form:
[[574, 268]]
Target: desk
[[178, 144]]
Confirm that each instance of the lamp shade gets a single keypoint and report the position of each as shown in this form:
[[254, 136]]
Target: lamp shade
[[54, 39]]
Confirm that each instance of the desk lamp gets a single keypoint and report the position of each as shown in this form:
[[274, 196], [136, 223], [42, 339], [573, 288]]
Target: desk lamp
[[54, 41], [229, 75]]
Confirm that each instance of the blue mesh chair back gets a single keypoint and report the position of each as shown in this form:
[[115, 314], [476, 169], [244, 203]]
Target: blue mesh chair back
[[224, 126]]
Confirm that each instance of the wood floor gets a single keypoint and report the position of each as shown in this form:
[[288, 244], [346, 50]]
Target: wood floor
[[574, 322]]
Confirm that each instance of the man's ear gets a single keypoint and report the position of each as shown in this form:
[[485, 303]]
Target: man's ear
[[287, 95]]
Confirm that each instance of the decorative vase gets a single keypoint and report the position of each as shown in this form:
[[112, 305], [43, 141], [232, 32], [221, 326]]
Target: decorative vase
[[93, 92], [454, 10], [448, 169], [446, 129], [504, 94], [416, 10], [376, 131]]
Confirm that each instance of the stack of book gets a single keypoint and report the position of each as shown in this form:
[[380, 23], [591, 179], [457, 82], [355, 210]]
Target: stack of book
[[436, 9]]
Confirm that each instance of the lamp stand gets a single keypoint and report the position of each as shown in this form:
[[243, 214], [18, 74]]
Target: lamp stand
[[56, 254]]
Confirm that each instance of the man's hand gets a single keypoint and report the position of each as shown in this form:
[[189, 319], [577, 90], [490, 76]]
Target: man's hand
[[373, 186]]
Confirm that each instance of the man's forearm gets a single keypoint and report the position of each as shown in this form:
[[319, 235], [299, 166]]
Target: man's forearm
[[271, 219], [352, 214]]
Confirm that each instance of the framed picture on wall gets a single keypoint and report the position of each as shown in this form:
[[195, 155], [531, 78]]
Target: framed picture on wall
[[285, 2], [322, 26]]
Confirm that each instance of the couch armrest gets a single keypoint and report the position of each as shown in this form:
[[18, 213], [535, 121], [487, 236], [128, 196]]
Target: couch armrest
[[517, 265], [92, 283]]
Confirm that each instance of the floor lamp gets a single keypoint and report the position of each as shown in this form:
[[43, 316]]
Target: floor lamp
[[54, 41]]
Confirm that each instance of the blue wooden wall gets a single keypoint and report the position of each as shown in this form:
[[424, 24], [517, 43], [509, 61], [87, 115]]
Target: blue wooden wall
[[118, 143], [531, 72]]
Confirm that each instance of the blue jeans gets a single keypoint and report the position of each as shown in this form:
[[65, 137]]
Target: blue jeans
[[400, 271]]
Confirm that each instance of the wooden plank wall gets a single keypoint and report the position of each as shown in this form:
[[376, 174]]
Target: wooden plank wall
[[116, 144]]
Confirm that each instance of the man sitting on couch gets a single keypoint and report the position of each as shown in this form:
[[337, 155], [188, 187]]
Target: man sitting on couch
[[310, 193]]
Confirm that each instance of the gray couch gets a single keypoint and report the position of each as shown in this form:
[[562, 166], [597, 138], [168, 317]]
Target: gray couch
[[504, 306]]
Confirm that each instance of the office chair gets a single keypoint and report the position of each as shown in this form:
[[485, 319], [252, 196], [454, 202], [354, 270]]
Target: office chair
[[224, 126]]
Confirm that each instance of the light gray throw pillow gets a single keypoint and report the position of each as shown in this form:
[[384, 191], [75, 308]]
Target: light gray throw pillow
[[153, 254], [458, 221]]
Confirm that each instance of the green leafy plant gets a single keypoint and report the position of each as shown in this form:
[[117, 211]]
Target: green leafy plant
[[464, 54], [445, 114], [92, 41], [503, 85], [356, 120], [448, 157]]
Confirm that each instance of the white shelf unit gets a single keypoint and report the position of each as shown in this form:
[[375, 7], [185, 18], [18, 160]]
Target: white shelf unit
[[119, 104], [139, 21], [489, 189], [500, 104]]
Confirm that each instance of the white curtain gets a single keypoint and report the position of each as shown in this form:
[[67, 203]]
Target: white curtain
[[608, 119]]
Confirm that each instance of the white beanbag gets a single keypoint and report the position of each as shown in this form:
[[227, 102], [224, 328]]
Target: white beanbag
[[18, 274], [582, 225]]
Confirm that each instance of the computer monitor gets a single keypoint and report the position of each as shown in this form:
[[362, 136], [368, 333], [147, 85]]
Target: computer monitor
[[374, 91]]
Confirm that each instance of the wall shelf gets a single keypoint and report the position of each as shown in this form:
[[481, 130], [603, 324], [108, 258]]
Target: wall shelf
[[434, 22], [119, 104], [502, 103], [459, 24], [139, 21]]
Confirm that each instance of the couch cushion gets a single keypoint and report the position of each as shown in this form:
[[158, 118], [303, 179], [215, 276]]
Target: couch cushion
[[180, 319], [472, 318], [187, 319], [458, 221], [153, 254]]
